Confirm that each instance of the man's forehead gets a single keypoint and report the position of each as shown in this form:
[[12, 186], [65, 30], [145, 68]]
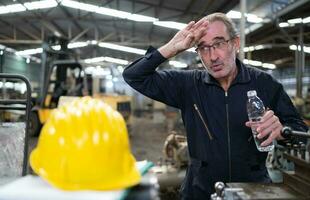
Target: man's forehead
[[215, 31]]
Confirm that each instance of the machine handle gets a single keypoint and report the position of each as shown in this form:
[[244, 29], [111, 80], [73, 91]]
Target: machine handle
[[288, 132]]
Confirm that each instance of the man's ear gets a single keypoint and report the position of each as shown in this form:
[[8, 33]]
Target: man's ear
[[236, 42]]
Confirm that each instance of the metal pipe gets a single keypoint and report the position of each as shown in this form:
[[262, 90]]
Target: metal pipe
[[301, 63]]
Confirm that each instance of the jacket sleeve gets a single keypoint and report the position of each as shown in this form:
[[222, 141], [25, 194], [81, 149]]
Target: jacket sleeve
[[287, 112], [284, 108], [163, 85]]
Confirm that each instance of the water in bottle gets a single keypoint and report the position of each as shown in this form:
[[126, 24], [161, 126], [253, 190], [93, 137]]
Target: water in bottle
[[256, 110]]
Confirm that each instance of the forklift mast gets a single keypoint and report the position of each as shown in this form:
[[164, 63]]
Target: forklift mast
[[58, 62]]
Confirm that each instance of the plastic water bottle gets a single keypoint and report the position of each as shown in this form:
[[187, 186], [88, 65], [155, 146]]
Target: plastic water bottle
[[256, 110]]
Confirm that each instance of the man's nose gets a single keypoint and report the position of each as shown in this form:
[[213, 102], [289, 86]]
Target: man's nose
[[213, 54]]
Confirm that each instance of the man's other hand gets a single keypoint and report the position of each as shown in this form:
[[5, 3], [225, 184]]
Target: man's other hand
[[268, 125]]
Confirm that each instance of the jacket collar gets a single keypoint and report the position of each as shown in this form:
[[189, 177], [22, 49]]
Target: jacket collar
[[243, 75]]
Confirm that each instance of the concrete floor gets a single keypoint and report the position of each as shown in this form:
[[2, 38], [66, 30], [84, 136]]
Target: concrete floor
[[147, 139]]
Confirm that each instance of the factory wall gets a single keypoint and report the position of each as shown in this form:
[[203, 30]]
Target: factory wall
[[11, 63]]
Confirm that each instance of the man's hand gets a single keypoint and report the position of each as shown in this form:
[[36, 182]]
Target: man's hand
[[269, 125], [185, 38]]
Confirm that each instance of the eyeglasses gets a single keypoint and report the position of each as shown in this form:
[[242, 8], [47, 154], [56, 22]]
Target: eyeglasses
[[219, 45]]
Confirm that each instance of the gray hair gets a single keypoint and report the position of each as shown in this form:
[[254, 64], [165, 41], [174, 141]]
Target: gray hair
[[230, 25]]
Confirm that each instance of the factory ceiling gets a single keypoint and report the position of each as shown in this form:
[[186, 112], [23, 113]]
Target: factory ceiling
[[94, 26]]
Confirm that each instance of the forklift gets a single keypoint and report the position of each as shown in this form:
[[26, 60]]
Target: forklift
[[61, 75]]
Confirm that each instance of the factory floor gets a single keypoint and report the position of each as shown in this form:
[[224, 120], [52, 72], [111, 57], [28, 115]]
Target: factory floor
[[147, 139]]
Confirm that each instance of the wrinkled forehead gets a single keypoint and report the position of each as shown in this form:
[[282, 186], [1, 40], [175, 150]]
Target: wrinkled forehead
[[215, 31]]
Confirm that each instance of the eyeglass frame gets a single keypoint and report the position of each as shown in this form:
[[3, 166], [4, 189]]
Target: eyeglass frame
[[213, 45]]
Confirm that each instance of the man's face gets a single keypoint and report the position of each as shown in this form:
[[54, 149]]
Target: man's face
[[218, 51]]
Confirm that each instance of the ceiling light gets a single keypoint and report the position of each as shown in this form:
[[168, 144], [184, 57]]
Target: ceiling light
[[116, 60], [141, 18], [284, 24], [253, 62], [90, 8], [295, 21], [249, 17], [15, 8], [93, 42], [234, 14], [107, 11], [253, 18], [177, 64], [122, 48], [106, 59], [29, 52], [77, 45], [258, 47], [170, 24], [294, 48], [306, 20], [40, 4], [269, 66], [12, 8], [78, 5], [56, 47], [94, 60], [110, 12]]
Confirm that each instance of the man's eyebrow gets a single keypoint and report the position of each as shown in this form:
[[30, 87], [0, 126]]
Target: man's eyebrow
[[214, 39], [201, 44], [218, 38]]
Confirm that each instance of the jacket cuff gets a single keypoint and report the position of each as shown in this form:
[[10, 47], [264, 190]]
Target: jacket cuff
[[153, 55]]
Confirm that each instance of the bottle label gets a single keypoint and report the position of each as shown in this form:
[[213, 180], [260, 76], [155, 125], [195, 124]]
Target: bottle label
[[257, 119]]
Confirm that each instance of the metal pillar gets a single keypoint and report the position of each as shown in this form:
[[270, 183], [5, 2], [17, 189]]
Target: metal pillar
[[300, 63], [242, 29]]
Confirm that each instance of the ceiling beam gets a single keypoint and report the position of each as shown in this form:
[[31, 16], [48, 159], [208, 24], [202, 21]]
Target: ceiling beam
[[10, 41], [73, 20], [187, 10], [289, 8], [206, 8], [79, 35], [226, 6], [163, 6], [46, 22], [156, 14], [30, 35], [4, 36], [54, 28]]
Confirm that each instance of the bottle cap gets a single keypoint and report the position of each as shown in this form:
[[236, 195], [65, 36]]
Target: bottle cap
[[251, 93]]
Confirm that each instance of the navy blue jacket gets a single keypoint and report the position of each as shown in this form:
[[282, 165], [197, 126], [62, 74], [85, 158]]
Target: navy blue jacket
[[221, 147]]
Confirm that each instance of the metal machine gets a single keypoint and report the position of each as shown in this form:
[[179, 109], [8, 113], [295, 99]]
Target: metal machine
[[295, 185], [170, 172], [175, 149]]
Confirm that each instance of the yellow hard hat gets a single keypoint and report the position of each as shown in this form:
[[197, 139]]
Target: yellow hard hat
[[84, 145]]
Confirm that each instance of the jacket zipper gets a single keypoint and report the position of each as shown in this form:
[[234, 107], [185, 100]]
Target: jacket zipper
[[203, 121], [228, 137]]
